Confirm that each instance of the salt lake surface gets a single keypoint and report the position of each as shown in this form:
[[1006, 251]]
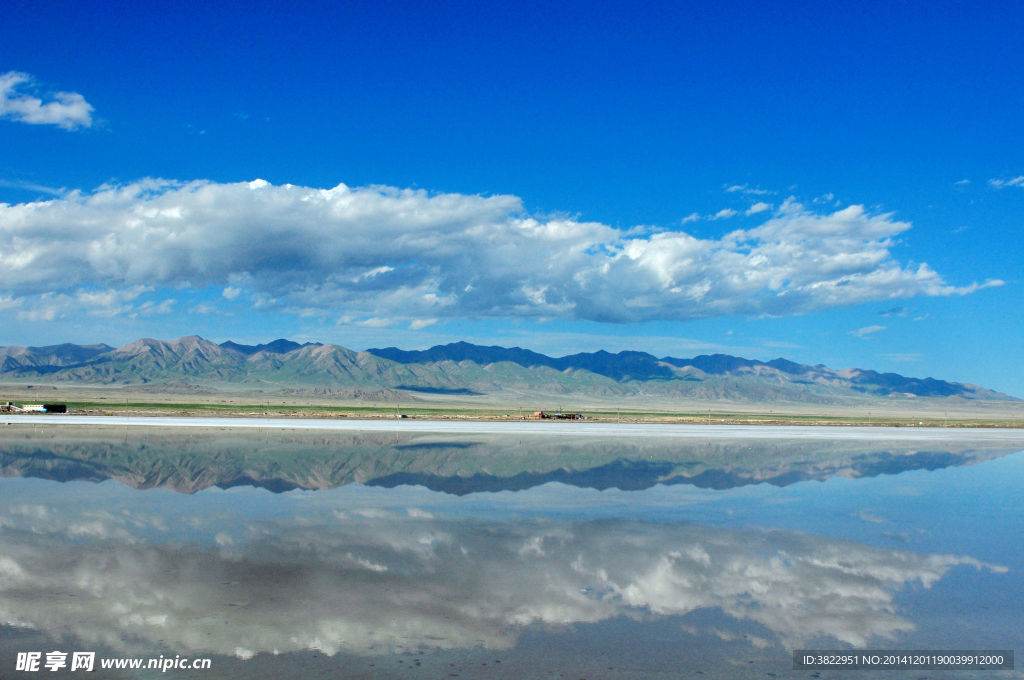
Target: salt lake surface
[[280, 552]]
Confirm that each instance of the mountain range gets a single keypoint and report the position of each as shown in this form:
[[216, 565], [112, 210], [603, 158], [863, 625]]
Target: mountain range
[[459, 368]]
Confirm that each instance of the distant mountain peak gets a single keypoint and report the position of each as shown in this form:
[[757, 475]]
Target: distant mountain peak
[[279, 346]]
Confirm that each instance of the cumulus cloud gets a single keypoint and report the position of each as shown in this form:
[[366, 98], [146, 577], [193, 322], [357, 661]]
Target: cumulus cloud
[[104, 303], [1003, 183], [724, 214], [758, 207], [8, 302], [21, 101], [400, 254]]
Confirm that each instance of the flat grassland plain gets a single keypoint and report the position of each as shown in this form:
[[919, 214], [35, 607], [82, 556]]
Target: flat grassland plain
[[871, 411]]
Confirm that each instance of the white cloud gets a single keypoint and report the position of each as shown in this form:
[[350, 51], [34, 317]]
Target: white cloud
[[39, 312], [1003, 183], [758, 207], [417, 324], [230, 292], [867, 331], [68, 110], [150, 307], [374, 322], [104, 303], [747, 190], [692, 217], [398, 255], [962, 183], [724, 214], [31, 186], [111, 302], [8, 302]]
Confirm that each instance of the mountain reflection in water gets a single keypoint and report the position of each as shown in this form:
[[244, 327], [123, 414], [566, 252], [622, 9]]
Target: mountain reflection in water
[[281, 461]]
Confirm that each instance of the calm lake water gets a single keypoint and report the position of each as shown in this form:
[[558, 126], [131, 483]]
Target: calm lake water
[[314, 554]]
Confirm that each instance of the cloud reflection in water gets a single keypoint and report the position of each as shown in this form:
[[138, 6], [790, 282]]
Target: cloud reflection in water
[[382, 581]]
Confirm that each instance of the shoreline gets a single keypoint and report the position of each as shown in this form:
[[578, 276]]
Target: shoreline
[[535, 428], [875, 415]]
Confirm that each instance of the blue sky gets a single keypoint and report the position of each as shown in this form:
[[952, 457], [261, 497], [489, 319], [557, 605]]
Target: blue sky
[[833, 184]]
